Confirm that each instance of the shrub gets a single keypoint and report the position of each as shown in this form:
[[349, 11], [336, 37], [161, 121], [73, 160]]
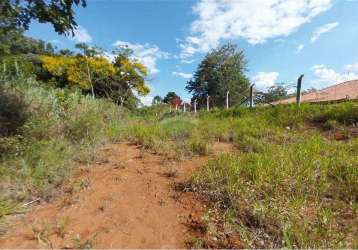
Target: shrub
[[13, 111], [61, 127]]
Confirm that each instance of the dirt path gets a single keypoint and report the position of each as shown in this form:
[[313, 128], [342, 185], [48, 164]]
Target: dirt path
[[125, 200]]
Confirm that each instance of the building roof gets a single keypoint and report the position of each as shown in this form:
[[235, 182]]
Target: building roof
[[342, 91]]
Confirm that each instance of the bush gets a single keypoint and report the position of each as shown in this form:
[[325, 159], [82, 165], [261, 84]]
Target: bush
[[61, 127], [13, 111]]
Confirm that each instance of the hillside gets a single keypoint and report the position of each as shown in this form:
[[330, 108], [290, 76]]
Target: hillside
[[174, 124], [289, 178]]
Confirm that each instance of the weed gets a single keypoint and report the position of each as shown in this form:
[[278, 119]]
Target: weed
[[171, 173], [7, 207], [61, 226], [197, 243], [41, 232], [3, 226], [83, 244]]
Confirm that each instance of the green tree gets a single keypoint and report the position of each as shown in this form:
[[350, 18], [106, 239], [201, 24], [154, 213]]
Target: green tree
[[15, 43], [121, 80], [89, 51], [157, 100], [128, 81], [274, 93], [169, 97], [220, 71], [20, 13], [66, 52]]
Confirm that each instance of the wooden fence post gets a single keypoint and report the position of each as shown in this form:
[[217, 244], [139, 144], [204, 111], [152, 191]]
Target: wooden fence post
[[121, 101], [207, 103], [195, 106], [4, 68], [184, 109], [252, 96], [17, 68], [299, 85], [227, 99]]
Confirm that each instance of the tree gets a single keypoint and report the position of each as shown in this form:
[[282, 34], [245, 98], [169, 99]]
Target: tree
[[89, 51], [176, 102], [130, 71], [310, 90], [19, 13], [15, 43], [157, 100], [74, 70], [121, 80], [170, 96], [220, 71], [274, 93], [66, 52]]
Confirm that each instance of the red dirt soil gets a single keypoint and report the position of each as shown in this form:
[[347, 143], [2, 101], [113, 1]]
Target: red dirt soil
[[126, 200]]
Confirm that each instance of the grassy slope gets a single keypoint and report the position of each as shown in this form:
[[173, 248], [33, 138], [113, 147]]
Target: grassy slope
[[61, 128], [291, 184]]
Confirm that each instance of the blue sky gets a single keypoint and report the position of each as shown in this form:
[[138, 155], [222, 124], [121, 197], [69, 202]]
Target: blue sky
[[281, 38]]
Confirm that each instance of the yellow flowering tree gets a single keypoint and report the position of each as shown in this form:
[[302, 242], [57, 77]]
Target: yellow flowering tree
[[74, 69], [132, 72], [95, 73]]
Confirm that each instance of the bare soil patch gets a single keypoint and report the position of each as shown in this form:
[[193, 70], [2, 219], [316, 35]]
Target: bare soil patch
[[124, 200]]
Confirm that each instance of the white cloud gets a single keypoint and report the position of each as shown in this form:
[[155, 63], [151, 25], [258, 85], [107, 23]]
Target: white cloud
[[54, 41], [264, 80], [146, 53], [146, 100], [300, 48], [254, 20], [351, 67], [323, 29], [186, 61], [182, 74], [109, 56], [81, 35], [326, 76]]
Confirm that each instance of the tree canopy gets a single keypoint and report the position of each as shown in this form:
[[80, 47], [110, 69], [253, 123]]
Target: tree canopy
[[157, 100], [19, 13], [169, 97], [90, 71], [220, 71], [173, 99], [14, 43], [273, 93]]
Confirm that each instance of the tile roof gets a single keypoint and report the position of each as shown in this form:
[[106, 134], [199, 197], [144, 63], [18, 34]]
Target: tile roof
[[341, 91]]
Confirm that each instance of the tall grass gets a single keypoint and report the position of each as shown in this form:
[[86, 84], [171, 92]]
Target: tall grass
[[61, 127], [286, 187]]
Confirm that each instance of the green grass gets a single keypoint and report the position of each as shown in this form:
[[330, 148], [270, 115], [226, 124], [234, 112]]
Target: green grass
[[62, 127], [290, 185], [175, 137], [286, 187]]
